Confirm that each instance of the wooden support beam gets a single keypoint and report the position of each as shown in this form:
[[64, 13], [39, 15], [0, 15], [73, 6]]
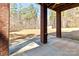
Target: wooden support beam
[[58, 24], [50, 4], [43, 23], [54, 6]]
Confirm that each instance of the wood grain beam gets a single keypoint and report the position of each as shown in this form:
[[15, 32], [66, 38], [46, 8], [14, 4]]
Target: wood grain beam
[[43, 22], [58, 24], [67, 6]]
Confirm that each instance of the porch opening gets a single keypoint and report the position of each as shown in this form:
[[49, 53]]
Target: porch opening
[[70, 23], [24, 27]]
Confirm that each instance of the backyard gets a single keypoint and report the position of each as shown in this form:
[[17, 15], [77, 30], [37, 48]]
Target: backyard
[[25, 32], [29, 33], [24, 41]]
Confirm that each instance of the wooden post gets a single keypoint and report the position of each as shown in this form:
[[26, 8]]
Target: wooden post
[[43, 23], [58, 24], [4, 22]]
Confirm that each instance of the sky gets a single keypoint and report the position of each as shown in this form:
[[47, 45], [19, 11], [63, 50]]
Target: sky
[[36, 6], [26, 5]]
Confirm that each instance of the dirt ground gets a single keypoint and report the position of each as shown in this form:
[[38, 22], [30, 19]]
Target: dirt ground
[[66, 32]]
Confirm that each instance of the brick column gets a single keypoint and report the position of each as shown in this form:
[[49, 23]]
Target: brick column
[[4, 24]]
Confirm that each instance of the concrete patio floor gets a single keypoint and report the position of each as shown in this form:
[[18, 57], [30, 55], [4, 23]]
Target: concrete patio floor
[[54, 47]]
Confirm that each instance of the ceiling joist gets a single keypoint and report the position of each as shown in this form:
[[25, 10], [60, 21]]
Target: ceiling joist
[[60, 6], [67, 6]]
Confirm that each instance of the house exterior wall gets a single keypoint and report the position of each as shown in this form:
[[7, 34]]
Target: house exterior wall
[[4, 26]]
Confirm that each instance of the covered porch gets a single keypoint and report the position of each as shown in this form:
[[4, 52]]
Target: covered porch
[[52, 45], [49, 44], [59, 7]]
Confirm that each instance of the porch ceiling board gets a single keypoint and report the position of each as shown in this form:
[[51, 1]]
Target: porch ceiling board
[[66, 6], [61, 6]]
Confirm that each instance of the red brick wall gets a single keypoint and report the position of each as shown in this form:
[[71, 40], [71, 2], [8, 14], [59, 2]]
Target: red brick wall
[[4, 23]]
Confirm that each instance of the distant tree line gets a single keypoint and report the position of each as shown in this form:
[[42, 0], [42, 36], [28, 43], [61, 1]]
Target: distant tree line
[[70, 18], [27, 18], [23, 18]]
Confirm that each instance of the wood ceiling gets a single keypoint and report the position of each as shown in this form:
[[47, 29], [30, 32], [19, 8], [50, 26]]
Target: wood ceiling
[[61, 6]]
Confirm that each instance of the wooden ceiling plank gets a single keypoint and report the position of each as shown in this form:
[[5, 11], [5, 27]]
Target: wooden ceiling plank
[[67, 6], [51, 4], [54, 6], [70, 6], [61, 6]]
